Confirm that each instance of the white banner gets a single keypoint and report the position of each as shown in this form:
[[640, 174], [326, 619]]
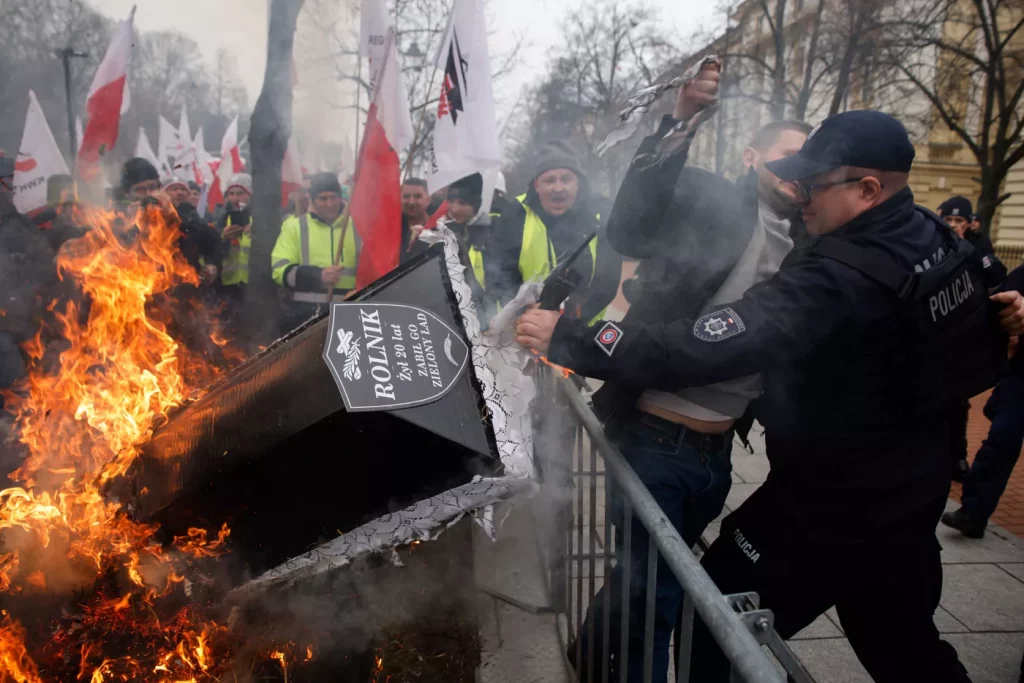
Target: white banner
[[38, 159]]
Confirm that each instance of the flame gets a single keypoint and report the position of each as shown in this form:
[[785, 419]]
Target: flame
[[119, 375]]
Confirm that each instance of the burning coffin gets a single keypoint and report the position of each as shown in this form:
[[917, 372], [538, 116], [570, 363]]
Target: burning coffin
[[384, 413]]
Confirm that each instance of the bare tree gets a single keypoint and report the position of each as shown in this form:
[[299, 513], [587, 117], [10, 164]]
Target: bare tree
[[608, 50], [966, 57], [268, 138]]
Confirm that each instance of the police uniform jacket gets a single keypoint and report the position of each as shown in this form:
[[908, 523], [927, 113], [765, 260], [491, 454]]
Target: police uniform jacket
[[844, 433]]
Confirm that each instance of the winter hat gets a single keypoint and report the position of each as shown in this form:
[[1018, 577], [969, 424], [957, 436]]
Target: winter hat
[[135, 171], [469, 189], [956, 206], [556, 154], [325, 182], [175, 181], [242, 180], [193, 186]]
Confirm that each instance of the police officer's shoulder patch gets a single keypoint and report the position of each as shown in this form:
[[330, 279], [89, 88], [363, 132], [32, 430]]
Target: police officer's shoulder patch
[[608, 337], [718, 325]]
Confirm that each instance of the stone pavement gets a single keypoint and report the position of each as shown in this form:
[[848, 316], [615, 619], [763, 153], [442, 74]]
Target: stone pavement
[[1010, 513], [981, 612]]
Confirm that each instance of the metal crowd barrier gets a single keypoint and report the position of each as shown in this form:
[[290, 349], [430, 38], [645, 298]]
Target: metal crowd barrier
[[575, 549]]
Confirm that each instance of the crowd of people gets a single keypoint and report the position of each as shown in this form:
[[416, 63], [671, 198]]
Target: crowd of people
[[811, 293]]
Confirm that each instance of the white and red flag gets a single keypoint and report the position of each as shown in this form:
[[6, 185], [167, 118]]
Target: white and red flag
[[465, 131], [376, 206], [38, 158], [145, 150], [230, 163], [105, 101]]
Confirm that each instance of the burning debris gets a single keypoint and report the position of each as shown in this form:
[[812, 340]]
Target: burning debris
[[119, 374]]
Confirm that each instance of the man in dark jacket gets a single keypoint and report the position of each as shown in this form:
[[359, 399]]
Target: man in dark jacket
[[27, 271], [200, 243], [701, 240], [852, 333], [548, 223]]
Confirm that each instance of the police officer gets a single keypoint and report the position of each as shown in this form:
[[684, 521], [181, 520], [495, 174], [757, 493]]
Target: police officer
[[303, 257], [545, 225], [856, 335], [958, 214]]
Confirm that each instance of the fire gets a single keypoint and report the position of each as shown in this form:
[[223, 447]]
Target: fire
[[119, 374]]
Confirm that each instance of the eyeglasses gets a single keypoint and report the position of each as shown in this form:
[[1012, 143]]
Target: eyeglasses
[[807, 188]]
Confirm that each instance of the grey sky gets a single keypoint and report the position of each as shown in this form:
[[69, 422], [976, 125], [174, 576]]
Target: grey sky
[[240, 26]]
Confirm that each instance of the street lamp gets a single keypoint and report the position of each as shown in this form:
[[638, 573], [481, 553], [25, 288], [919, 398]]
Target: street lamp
[[66, 56]]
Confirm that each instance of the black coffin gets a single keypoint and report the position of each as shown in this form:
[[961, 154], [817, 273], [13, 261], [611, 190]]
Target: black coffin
[[272, 451]]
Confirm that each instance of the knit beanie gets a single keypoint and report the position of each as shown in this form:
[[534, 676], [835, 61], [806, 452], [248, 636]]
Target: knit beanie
[[325, 182], [556, 154], [135, 171], [242, 180], [469, 189]]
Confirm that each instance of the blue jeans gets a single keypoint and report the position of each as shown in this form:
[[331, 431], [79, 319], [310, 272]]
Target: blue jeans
[[998, 454], [690, 485]]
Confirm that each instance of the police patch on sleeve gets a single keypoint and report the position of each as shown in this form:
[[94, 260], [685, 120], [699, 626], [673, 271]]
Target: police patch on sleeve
[[718, 326], [608, 337]]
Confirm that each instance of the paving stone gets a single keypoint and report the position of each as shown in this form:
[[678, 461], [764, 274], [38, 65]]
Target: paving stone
[[529, 650], [822, 627], [751, 469], [1016, 570], [958, 549], [739, 493], [983, 597], [511, 565], [830, 660], [989, 657]]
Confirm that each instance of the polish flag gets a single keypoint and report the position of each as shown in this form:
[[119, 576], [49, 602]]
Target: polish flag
[[376, 206], [103, 105], [38, 158], [230, 163]]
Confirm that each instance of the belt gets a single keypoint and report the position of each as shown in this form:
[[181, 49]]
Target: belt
[[701, 441]]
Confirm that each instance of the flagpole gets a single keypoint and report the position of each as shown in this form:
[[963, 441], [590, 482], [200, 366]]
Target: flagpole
[[359, 160]]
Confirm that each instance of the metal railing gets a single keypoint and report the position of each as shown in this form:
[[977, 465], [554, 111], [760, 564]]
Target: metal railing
[[576, 548]]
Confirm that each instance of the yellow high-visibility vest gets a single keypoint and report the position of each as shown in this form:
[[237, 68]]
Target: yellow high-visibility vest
[[235, 267], [307, 241], [537, 256]]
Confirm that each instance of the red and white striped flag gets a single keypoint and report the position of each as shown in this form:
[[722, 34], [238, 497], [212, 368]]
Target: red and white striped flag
[[105, 100], [376, 207]]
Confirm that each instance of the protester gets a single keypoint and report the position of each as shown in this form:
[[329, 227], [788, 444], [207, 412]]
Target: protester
[[471, 227], [547, 224], [415, 201], [27, 272], [499, 200], [680, 442], [303, 259], [200, 243], [855, 404], [235, 228], [195, 193]]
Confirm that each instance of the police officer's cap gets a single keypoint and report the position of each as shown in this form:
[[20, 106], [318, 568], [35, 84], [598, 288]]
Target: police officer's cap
[[957, 206], [867, 139]]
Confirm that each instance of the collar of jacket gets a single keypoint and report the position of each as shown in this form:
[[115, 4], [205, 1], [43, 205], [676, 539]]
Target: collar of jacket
[[321, 221], [894, 212]]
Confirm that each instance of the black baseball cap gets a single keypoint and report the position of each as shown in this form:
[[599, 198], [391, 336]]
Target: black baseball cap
[[864, 138], [957, 206]]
